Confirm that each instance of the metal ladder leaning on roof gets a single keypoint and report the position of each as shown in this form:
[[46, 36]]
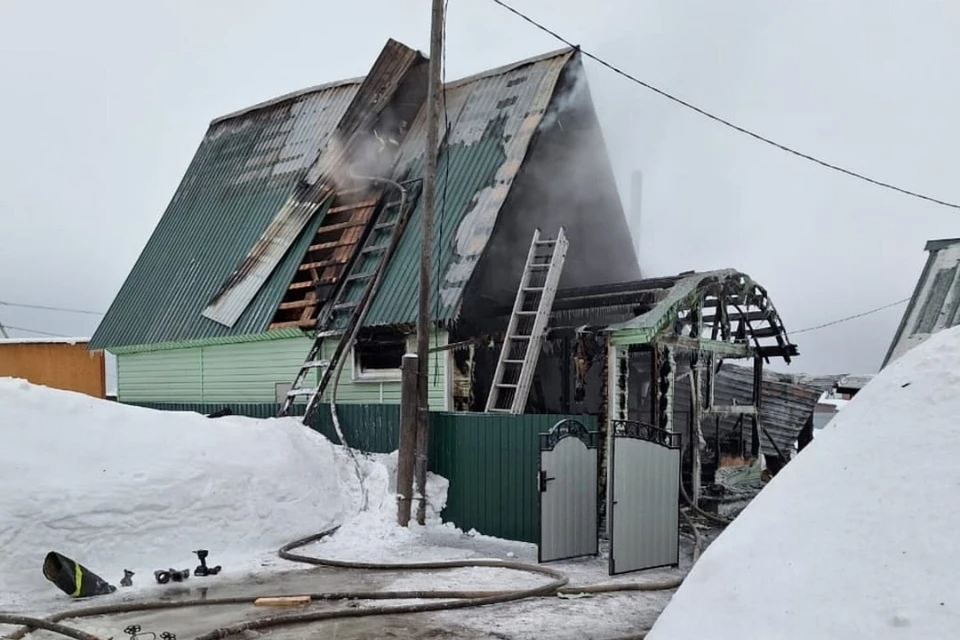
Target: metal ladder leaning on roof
[[346, 311], [528, 325]]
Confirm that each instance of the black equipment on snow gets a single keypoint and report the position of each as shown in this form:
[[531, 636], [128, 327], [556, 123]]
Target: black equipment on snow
[[136, 632], [127, 579], [163, 576], [203, 569], [73, 578]]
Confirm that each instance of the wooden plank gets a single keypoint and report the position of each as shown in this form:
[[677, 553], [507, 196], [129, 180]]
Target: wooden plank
[[323, 263], [301, 284], [328, 245], [282, 601], [297, 304], [351, 207], [339, 227], [290, 324]]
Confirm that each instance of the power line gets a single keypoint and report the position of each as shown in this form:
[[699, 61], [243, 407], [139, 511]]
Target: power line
[[37, 331], [848, 318], [49, 308], [723, 121]]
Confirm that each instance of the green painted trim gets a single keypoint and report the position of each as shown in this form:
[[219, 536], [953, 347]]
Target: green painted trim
[[715, 346], [279, 334]]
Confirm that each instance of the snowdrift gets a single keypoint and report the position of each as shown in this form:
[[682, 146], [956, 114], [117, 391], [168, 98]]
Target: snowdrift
[[857, 537], [117, 487]]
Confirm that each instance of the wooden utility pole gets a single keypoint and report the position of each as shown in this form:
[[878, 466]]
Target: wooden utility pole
[[429, 192], [407, 450]]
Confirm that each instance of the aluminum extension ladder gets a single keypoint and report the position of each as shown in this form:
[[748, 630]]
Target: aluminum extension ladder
[[528, 325], [348, 307]]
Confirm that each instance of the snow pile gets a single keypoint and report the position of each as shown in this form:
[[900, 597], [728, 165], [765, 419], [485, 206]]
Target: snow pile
[[856, 538], [117, 487]]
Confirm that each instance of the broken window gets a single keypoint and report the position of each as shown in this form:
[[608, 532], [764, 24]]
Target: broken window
[[933, 305], [379, 357]]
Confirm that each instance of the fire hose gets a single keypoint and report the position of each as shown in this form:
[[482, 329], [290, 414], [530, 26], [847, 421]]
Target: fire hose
[[557, 585]]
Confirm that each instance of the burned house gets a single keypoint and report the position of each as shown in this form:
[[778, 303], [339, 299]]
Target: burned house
[[285, 270]]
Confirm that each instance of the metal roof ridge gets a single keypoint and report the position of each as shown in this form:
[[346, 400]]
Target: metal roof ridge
[[509, 67], [936, 245], [285, 97], [359, 79]]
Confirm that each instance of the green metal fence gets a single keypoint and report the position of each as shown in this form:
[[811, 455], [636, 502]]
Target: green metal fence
[[491, 462], [489, 459], [368, 427]]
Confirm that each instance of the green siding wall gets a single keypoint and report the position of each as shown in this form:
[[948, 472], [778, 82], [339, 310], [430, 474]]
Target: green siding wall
[[360, 391], [160, 376], [248, 372], [244, 372]]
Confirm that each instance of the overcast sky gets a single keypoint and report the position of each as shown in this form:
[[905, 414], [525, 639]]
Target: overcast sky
[[104, 103]]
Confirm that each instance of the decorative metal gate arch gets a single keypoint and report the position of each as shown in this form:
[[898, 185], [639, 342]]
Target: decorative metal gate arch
[[567, 478], [645, 480]]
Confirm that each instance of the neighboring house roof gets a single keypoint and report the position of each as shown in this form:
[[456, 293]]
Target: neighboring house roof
[[935, 304], [853, 382], [50, 340], [253, 163]]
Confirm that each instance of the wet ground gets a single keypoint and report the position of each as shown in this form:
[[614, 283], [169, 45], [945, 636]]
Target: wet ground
[[601, 616]]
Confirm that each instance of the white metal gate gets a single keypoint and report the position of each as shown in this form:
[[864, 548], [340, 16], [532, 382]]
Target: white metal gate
[[568, 492], [645, 514]]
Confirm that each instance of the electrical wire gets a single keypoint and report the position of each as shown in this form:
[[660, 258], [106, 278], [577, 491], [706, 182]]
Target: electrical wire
[[849, 318], [21, 305], [723, 121], [36, 331]]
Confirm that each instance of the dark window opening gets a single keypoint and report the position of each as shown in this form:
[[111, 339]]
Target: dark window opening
[[380, 355]]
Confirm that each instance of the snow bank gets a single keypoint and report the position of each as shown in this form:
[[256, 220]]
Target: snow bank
[[115, 487], [856, 538]]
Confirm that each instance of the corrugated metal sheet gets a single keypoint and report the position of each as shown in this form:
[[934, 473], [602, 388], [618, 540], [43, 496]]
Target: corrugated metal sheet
[[568, 507], [492, 118], [645, 518], [785, 408], [491, 462], [244, 171], [350, 143]]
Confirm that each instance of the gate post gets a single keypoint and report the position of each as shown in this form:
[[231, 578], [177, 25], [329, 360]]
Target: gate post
[[697, 435]]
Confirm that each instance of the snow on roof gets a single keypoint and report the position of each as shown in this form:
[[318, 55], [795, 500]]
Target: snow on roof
[[44, 340], [856, 537]]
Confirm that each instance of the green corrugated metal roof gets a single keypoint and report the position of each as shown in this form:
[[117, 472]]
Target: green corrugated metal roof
[[247, 166], [492, 118]]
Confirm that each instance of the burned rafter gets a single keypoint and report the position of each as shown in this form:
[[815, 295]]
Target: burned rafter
[[735, 303]]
